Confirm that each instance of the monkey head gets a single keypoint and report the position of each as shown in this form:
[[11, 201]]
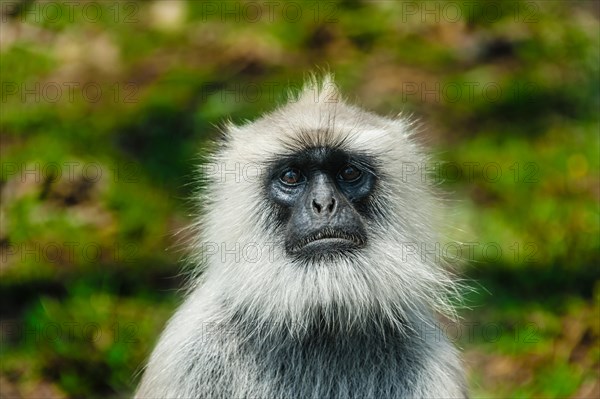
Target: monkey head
[[320, 199]]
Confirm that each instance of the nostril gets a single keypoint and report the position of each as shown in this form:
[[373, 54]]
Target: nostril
[[331, 205], [316, 206]]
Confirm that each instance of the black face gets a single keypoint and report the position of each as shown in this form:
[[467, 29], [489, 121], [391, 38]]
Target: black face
[[322, 199]]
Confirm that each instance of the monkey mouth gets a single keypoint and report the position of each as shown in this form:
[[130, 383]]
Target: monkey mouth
[[327, 240]]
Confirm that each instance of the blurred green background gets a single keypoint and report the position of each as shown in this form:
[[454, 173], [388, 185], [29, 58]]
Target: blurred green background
[[107, 108]]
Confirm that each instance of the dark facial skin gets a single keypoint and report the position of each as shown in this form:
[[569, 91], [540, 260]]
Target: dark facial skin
[[322, 195]]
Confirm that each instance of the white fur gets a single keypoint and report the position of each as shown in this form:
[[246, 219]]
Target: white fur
[[247, 328]]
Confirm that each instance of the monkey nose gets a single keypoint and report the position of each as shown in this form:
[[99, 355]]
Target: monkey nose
[[324, 206]]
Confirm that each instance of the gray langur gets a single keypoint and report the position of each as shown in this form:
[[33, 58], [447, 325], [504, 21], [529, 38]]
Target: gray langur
[[307, 290]]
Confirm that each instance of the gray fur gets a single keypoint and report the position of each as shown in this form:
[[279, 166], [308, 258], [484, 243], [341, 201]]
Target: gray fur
[[261, 325]]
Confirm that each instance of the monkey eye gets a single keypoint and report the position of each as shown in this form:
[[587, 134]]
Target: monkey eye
[[292, 176], [349, 173]]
